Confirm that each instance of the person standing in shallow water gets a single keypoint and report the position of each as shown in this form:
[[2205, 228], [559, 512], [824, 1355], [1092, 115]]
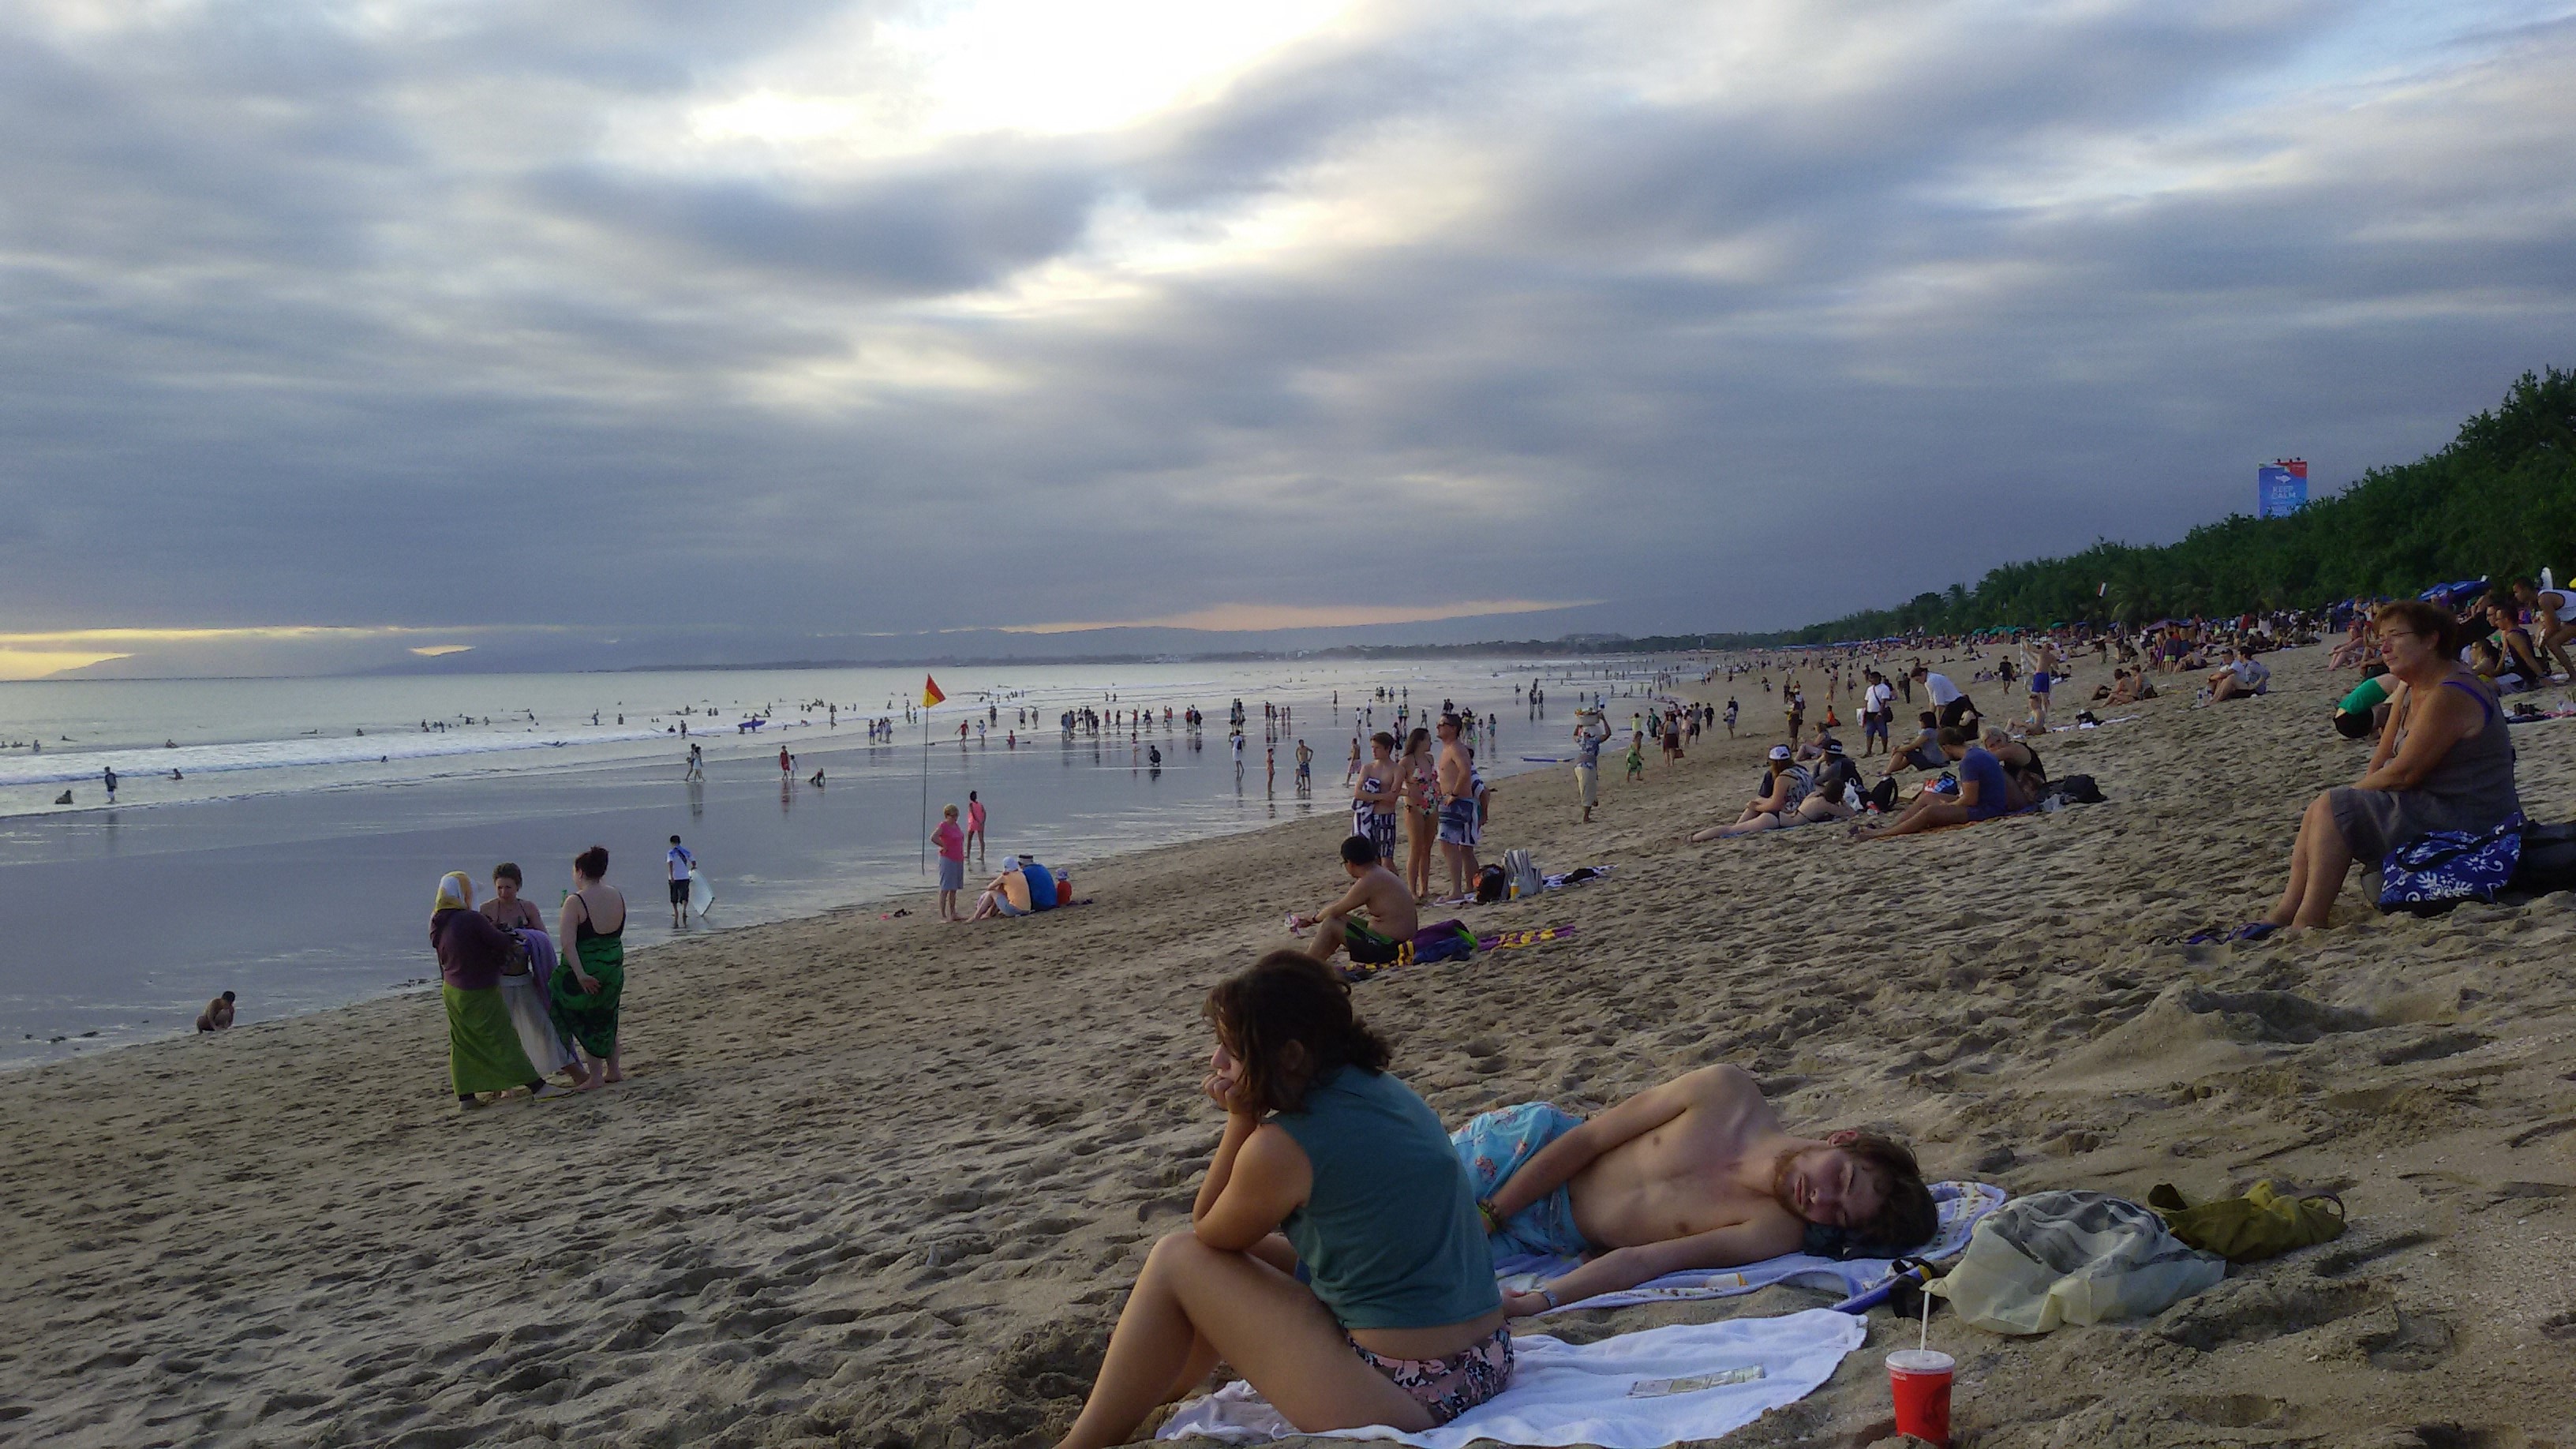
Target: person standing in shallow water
[[975, 825], [591, 982]]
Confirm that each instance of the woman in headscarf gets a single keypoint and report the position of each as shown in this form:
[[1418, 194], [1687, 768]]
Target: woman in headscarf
[[483, 1052], [592, 978]]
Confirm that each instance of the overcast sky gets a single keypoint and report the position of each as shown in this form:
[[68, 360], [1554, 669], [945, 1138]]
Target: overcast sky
[[491, 320]]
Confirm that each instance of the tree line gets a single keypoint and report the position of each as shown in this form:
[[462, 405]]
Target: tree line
[[2498, 501]]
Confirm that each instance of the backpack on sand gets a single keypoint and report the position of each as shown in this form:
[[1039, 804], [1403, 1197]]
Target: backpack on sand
[[1490, 885]]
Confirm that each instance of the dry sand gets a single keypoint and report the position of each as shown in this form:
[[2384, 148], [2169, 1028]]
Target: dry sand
[[885, 1182]]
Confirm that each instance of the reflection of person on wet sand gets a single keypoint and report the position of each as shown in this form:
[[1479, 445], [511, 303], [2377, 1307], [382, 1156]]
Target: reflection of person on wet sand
[[1376, 893], [1694, 1173], [218, 1015]]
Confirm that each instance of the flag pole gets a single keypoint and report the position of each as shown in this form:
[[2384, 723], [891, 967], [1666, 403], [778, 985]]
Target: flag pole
[[925, 789]]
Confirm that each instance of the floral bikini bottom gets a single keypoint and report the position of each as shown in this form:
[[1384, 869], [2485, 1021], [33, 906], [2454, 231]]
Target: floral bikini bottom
[[1450, 1386]]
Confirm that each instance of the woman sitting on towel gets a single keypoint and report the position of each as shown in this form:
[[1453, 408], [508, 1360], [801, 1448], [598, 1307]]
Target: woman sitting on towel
[[2444, 762], [1783, 790], [1984, 791], [1335, 1255]]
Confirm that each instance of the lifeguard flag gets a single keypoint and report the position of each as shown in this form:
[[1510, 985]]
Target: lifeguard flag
[[930, 694]]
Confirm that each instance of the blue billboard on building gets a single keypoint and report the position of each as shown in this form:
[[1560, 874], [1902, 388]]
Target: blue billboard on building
[[2281, 488]]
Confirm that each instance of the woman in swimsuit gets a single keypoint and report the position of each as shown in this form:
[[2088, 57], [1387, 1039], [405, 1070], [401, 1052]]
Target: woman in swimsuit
[[1335, 1255], [1419, 780], [591, 982]]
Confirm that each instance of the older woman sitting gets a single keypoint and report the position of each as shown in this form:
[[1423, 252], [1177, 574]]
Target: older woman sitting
[[2444, 762]]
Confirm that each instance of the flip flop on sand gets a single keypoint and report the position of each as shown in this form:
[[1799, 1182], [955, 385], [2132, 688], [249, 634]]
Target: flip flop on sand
[[2245, 934]]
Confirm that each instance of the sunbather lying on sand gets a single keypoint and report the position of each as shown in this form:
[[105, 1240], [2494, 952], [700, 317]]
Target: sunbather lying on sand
[[1695, 1173]]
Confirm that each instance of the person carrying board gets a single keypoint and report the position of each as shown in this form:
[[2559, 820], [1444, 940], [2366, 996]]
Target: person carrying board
[[683, 868]]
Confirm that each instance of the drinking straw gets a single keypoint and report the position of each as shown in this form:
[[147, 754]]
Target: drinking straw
[[1926, 1340]]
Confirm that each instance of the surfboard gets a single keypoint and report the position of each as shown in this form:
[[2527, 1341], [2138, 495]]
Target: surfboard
[[702, 894]]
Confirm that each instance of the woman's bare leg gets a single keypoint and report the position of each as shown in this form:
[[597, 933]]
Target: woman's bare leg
[[1923, 817], [2318, 862], [1193, 1304], [2329, 859]]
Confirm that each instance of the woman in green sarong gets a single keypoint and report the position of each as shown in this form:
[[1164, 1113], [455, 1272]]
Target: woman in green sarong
[[587, 987], [483, 1051]]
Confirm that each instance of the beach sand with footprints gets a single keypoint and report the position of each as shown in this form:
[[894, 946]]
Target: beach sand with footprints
[[885, 1182]]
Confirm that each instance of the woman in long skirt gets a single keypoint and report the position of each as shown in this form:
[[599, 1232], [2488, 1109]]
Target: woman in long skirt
[[483, 1051], [590, 983]]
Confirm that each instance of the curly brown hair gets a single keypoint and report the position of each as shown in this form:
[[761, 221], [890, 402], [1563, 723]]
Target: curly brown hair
[[1907, 1217], [1288, 1020]]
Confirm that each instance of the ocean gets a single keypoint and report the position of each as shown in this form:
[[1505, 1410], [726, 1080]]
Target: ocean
[[281, 838]]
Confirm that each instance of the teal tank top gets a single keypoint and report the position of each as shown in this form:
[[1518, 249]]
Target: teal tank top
[[1389, 1236]]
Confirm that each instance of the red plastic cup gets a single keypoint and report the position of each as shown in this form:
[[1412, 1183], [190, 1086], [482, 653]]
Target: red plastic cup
[[1920, 1380]]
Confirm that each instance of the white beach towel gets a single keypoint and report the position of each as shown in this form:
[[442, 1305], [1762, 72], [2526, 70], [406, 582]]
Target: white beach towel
[[1962, 1205], [1565, 1393]]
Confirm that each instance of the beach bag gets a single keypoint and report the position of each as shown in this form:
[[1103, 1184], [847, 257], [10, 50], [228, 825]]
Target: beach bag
[[2079, 790], [1521, 873], [1490, 885], [1448, 940], [2072, 1257], [2264, 1223], [2436, 871], [1882, 796], [2548, 859]]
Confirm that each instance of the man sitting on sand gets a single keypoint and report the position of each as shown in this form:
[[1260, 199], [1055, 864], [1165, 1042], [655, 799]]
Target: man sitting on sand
[[1694, 1173], [1376, 891]]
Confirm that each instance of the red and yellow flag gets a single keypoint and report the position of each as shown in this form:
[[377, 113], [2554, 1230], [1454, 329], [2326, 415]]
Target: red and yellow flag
[[930, 694]]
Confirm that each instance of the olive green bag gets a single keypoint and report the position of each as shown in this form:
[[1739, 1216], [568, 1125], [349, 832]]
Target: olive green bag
[[2264, 1223]]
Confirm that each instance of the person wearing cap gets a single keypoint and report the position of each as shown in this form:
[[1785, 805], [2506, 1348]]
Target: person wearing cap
[[1776, 808], [1832, 776], [1007, 895]]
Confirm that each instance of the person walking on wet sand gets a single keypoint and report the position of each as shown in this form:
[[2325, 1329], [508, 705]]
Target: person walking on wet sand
[[684, 870], [974, 827]]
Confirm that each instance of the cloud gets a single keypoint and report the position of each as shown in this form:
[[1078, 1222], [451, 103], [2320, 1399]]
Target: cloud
[[850, 319], [1248, 616]]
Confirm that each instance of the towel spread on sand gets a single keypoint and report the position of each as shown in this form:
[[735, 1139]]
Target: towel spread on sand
[[1565, 1393], [1962, 1205], [1532, 936]]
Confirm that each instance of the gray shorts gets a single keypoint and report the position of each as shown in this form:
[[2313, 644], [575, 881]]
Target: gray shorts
[[952, 874]]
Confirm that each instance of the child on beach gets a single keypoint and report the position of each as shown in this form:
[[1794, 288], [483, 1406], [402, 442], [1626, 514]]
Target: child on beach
[[1636, 757], [1330, 1171]]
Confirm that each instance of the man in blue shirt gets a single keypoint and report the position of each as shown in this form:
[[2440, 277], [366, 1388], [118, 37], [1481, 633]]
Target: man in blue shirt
[[1041, 884], [683, 867], [1983, 793]]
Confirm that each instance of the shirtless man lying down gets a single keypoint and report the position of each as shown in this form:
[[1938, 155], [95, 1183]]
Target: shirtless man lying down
[[1695, 1173]]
